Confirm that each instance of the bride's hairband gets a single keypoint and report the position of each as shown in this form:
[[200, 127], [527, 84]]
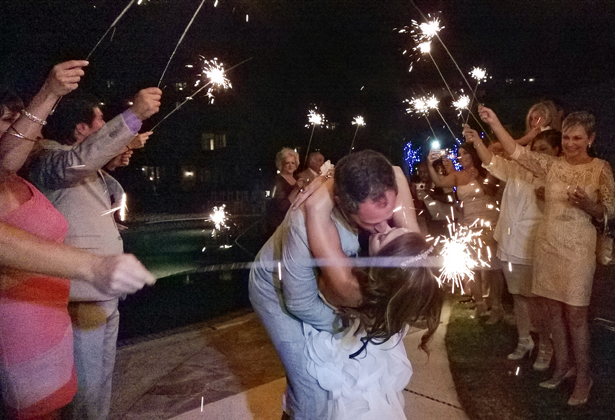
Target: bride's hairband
[[417, 257]]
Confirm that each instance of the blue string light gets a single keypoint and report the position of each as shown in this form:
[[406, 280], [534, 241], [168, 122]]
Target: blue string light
[[411, 156]]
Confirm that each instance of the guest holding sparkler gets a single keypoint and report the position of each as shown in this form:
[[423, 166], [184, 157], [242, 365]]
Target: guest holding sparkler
[[579, 188], [36, 347], [285, 190], [478, 211], [515, 234], [541, 116], [70, 172]]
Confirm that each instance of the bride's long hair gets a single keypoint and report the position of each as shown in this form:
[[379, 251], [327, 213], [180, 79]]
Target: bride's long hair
[[394, 297]]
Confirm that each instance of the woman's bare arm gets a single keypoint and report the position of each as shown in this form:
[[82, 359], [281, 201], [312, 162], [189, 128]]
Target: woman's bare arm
[[117, 274], [336, 281]]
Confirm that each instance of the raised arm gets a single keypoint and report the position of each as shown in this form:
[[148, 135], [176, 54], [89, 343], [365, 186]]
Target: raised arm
[[449, 180], [404, 215], [115, 275], [483, 152], [488, 116], [63, 167], [336, 281], [17, 142]]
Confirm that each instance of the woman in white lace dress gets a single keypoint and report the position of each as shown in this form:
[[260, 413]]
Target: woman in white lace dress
[[579, 188]]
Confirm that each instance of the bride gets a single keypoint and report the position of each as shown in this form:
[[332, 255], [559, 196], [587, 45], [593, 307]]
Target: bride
[[365, 368]]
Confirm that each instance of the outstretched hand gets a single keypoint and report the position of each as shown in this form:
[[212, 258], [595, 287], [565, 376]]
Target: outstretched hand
[[487, 115], [146, 103], [120, 274], [471, 135], [307, 191], [64, 77], [138, 141]]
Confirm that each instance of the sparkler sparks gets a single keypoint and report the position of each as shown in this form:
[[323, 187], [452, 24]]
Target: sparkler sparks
[[315, 118], [458, 262], [429, 29], [462, 103], [478, 74], [219, 218], [358, 120], [424, 47]]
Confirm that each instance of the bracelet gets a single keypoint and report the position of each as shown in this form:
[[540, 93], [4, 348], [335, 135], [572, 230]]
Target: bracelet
[[33, 117], [19, 135]]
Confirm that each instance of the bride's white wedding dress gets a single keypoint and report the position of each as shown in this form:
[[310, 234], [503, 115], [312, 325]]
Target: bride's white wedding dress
[[368, 387]]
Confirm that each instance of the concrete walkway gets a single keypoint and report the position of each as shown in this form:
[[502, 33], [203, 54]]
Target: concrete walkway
[[230, 371]]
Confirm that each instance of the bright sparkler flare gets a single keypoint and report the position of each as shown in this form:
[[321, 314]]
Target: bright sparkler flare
[[478, 73], [424, 47], [314, 118], [123, 207], [219, 217], [214, 72], [430, 29], [358, 120], [432, 102], [462, 103], [418, 106], [458, 262]]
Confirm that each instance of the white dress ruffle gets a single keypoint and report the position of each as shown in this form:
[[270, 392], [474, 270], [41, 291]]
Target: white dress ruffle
[[368, 387]]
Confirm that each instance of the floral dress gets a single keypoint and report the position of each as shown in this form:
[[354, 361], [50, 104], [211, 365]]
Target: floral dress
[[565, 252]]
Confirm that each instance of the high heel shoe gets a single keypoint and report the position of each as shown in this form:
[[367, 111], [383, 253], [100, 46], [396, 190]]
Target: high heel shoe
[[555, 382], [580, 401], [543, 360], [522, 349]]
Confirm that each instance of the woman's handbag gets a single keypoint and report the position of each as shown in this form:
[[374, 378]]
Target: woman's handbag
[[604, 244]]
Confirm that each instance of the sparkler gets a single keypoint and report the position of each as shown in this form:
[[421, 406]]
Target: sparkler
[[463, 102], [117, 19], [217, 77], [432, 103], [314, 118], [458, 262], [359, 122], [219, 218], [479, 75], [180, 41], [419, 106]]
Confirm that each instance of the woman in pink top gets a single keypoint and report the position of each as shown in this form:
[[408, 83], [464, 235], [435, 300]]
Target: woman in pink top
[[36, 343]]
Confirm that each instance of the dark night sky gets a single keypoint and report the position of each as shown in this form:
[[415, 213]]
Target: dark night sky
[[341, 55]]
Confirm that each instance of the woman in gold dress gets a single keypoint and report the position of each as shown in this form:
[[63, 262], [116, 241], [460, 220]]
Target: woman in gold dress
[[579, 188]]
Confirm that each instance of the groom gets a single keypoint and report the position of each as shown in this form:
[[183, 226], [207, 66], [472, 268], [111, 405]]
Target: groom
[[285, 294]]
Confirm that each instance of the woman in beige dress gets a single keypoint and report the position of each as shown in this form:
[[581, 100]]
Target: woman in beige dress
[[579, 188]]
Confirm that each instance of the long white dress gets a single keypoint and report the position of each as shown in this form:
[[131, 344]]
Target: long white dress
[[368, 387]]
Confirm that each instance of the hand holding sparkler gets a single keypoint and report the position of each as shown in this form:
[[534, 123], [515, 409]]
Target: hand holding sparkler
[[488, 116], [578, 198], [471, 135], [138, 141], [146, 103], [64, 78], [119, 274], [123, 159]]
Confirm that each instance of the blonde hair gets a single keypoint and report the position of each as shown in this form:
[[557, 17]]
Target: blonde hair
[[281, 156], [549, 110]]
